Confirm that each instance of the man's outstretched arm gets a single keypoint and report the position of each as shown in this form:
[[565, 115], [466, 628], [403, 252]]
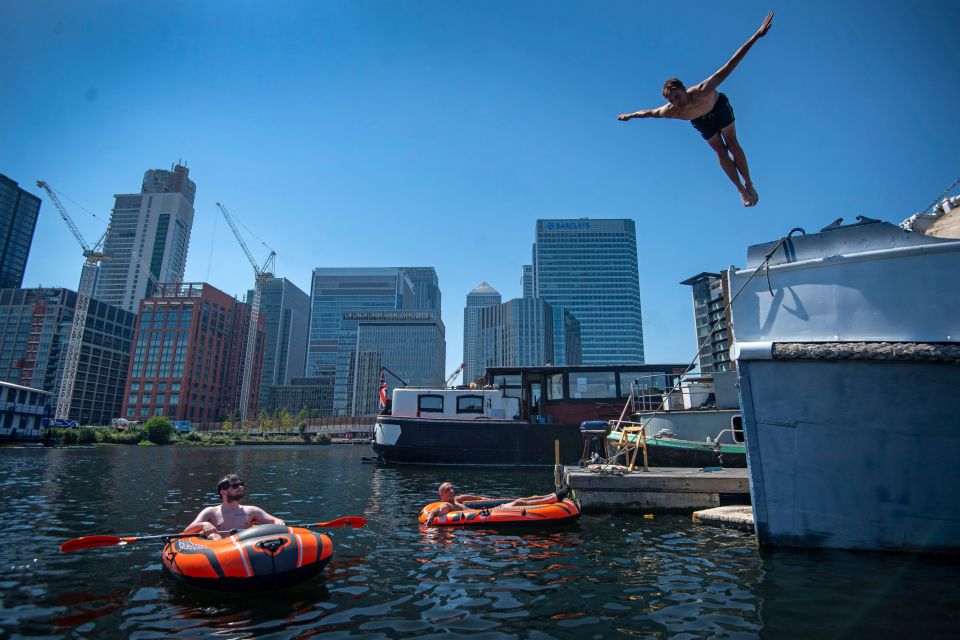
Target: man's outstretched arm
[[714, 81], [644, 113]]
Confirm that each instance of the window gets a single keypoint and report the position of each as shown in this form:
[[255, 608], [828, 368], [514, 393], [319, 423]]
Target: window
[[174, 398], [555, 387], [507, 381], [469, 404], [593, 384], [430, 404]]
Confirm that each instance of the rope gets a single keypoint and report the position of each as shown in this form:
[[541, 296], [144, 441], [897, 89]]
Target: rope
[[936, 201], [723, 314]]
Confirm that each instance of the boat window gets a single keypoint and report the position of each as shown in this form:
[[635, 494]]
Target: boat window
[[430, 404], [507, 381], [644, 383], [555, 387], [593, 384], [470, 404]]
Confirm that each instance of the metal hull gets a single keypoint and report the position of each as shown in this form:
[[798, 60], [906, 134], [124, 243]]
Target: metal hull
[[847, 353], [846, 455], [475, 442]]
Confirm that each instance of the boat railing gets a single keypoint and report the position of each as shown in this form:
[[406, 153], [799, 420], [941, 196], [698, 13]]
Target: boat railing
[[733, 436]]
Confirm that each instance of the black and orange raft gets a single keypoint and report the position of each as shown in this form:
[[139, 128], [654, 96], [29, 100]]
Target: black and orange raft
[[261, 558], [493, 513]]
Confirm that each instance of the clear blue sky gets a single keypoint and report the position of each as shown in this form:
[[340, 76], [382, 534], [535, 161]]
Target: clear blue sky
[[355, 133]]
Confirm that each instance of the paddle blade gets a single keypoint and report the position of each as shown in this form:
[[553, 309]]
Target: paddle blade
[[348, 521], [90, 542]]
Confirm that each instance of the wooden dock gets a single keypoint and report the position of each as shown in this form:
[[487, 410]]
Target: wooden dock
[[660, 489]]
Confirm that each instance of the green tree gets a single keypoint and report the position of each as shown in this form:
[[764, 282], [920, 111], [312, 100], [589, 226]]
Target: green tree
[[285, 421], [159, 430]]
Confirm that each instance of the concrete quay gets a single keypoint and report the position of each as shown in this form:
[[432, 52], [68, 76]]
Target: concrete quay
[[663, 489]]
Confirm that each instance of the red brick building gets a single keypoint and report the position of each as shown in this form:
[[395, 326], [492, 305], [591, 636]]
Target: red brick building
[[186, 361]]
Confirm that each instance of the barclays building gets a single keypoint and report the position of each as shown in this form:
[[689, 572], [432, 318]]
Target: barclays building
[[589, 267]]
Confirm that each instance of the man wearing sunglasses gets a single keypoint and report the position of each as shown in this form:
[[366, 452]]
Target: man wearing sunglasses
[[229, 514]]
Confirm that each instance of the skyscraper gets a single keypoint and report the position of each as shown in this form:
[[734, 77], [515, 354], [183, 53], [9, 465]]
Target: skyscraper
[[148, 238], [710, 298], [483, 295], [285, 310], [331, 343], [18, 219], [523, 332], [426, 287], [526, 282], [589, 268], [411, 344], [34, 332]]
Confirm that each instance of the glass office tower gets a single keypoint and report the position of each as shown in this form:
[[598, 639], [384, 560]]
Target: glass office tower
[[18, 220], [589, 268], [483, 295], [286, 312]]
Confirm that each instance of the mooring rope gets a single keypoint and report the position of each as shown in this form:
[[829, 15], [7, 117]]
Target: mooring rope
[[715, 325]]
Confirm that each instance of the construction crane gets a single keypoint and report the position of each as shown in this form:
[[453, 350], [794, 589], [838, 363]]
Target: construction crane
[[261, 274], [93, 256], [454, 375]]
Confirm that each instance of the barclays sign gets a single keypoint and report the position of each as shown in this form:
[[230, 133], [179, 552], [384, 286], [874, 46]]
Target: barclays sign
[[567, 225]]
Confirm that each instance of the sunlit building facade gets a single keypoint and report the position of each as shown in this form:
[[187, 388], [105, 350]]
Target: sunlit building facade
[[589, 267], [481, 296], [188, 355], [148, 239]]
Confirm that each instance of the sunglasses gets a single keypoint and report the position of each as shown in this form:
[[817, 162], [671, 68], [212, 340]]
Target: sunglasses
[[231, 485]]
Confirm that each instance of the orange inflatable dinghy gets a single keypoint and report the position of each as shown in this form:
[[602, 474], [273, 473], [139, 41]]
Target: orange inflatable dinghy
[[492, 513], [261, 558]]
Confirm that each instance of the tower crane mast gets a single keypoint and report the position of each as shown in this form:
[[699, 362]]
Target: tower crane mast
[[453, 376], [261, 275], [93, 257]]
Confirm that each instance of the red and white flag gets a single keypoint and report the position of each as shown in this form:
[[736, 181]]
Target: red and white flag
[[383, 390]]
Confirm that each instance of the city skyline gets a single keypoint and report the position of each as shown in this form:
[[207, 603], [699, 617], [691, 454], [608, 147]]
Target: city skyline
[[345, 134]]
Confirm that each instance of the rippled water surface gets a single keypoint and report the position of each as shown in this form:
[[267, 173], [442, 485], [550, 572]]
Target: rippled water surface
[[608, 576]]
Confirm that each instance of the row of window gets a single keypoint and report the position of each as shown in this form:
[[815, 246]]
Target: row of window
[[431, 403]]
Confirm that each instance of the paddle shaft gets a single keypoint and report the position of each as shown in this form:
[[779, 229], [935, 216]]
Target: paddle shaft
[[91, 542]]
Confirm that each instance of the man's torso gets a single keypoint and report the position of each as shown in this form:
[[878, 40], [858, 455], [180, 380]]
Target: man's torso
[[230, 517], [700, 104]]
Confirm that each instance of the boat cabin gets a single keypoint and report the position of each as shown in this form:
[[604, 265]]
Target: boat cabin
[[547, 394], [455, 404]]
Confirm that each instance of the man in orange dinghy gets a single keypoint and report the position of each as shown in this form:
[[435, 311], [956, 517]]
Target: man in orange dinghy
[[229, 514], [453, 502]]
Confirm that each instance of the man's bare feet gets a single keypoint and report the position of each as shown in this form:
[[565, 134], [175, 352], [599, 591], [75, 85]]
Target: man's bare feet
[[745, 198], [752, 192]]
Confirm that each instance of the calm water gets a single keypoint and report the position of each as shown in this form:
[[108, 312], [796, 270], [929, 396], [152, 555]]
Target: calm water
[[609, 576]]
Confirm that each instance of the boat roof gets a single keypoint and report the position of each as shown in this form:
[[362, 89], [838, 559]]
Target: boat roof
[[554, 369]]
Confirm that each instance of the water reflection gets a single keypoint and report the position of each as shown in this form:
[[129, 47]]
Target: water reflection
[[609, 576]]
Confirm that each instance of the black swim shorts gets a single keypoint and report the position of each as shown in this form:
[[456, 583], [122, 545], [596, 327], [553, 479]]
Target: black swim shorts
[[719, 117]]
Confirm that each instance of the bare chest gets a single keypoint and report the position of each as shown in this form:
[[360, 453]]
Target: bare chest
[[228, 518], [700, 104]]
